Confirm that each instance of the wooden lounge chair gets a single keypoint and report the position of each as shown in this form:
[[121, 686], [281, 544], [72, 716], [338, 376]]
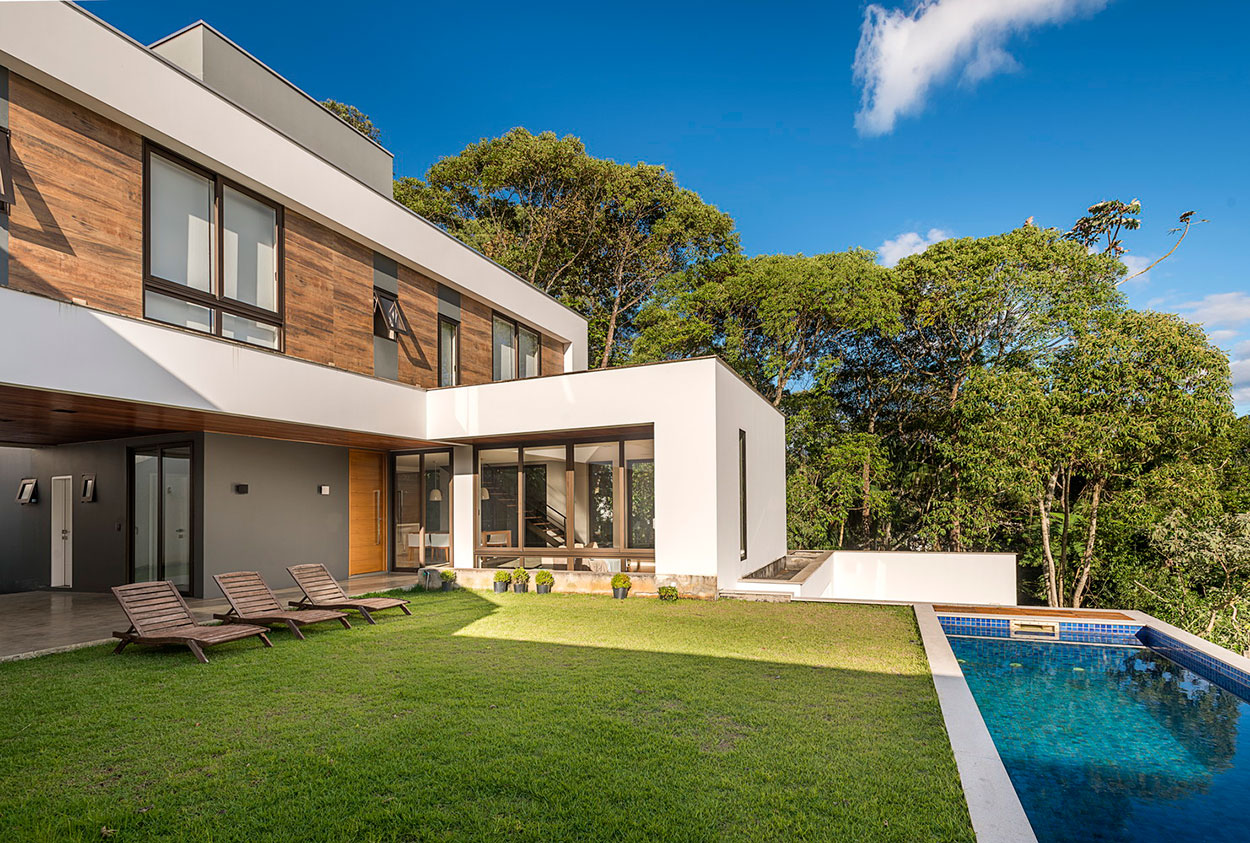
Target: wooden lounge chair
[[159, 615], [251, 601], [322, 591]]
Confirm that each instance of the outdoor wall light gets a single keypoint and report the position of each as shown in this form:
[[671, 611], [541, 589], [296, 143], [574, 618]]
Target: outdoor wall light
[[323, 490], [26, 491], [88, 488], [240, 488]]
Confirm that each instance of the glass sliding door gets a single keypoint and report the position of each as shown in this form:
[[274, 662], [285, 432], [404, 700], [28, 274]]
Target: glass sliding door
[[594, 484], [500, 498], [162, 530], [546, 522], [422, 509], [640, 492]]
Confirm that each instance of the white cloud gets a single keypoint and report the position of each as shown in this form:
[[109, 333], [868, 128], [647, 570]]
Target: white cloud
[[1136, 264], [1219, 310], [902, 54], [1241, 383], [909, 243]]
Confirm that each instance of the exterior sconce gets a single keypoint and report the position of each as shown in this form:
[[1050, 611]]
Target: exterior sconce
[[323, 490], [88, 488], [240, 488]]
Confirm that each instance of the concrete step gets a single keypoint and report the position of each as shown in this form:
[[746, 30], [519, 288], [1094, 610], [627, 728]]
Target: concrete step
[[759, 596]]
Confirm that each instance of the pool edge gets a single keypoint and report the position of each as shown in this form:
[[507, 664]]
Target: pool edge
[[993, 804]]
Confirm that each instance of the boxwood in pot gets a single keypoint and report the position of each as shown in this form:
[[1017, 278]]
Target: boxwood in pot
[[520, 580], [448, 576], [502, 578], [620, 586], [543, 581]]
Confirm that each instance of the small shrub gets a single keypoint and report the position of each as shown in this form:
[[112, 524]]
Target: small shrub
[[502, 576], [520, 575], [668, 593], [447, 575], [544, 577], [621, 581]]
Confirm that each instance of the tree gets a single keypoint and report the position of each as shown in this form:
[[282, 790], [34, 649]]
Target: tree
[[1105, 221], [597, 234], [354, 117]]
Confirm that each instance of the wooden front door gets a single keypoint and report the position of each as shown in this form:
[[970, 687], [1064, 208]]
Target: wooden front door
[[367, 512]]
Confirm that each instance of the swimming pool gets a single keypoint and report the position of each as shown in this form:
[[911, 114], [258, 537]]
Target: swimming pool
[[1112, 742]]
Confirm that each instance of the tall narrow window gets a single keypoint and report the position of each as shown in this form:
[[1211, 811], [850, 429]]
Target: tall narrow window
[[640, 492], [213, 254], [504, 343], [529, 349], [448, 352], [7, 196], [742, 493]]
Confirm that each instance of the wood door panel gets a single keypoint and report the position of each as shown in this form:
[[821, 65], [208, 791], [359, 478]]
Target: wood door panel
[[367, 502]]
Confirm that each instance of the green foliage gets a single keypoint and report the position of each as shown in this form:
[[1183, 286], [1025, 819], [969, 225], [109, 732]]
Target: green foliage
[[354, 117], [668, 593], [544, 577], [597, 234], [520, 576], [503, 576], [1203, 585], [447, 575], [621, 581]]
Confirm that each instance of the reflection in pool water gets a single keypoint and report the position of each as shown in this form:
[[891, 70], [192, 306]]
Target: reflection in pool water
[[1112, 743]]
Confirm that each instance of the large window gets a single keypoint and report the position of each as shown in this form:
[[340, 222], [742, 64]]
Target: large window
[[516, 350], [213, 254], [423, 491], [575, 506], [448, 352]]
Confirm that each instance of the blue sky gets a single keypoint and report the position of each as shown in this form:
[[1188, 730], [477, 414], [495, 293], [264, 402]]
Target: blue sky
[[981, 112]]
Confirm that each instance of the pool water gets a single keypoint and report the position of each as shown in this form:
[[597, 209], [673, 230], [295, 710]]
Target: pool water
[[1113, 742]]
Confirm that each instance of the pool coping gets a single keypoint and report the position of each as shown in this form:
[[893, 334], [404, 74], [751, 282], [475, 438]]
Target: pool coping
[[993, 804]]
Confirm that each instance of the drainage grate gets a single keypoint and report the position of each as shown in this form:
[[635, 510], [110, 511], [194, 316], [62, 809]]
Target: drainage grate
[[1034, 629]]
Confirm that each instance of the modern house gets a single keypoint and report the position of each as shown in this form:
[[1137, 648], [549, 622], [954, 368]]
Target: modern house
[[224, 346]]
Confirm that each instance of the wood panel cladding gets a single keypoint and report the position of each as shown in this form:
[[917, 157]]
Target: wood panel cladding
[[418, 354], [553, 356], [76, 231], [476, 362], [329, 296]]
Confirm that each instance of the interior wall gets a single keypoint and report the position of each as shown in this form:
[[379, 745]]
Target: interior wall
[[283, 519]]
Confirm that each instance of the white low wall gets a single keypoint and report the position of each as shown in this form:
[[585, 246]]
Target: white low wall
[[923, 577]]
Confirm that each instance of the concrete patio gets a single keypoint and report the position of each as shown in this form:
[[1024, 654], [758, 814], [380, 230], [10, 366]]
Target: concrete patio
[[34, 623]]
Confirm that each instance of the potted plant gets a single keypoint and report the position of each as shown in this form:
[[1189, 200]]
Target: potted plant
[[448, 576], [520, 580], [543, 581], [620, 586], [668, 593], [502, 578]]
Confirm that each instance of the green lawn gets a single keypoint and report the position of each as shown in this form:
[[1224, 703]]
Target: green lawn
[[495, 717]]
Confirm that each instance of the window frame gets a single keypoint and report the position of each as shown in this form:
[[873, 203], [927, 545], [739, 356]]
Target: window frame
[[396, 322], [215, 299], [8, 193], [455, 323], [742, 493], [516, 347]]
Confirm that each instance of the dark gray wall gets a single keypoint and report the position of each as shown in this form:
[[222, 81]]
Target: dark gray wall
[[100, 528], [282, 520]]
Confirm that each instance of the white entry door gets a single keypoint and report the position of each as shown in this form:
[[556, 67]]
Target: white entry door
[[62, 532]]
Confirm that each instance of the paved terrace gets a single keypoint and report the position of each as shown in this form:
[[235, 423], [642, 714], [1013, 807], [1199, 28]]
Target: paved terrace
[[36, 622]]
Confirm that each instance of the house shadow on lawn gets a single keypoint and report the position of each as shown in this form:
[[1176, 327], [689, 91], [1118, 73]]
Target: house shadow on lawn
[[459, 723]]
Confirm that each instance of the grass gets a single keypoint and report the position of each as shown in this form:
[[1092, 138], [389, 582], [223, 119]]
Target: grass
[[495, 717]]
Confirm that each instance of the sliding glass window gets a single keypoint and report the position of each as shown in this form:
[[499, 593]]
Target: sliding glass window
[[499, 497], [213, 254], [517, 350], [546, 523], [422, 509], [594, 493]]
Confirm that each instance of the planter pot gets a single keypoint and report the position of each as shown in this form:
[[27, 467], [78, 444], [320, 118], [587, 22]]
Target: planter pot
[[620, 593], [542, 588], [520, 587], [501, 587], [448, 585]]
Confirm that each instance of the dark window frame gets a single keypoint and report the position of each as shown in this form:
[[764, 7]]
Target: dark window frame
[[456, 363], [742, 493], [193, 558], [517, 327], [215, 299], [393, 320], [8, 195]]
